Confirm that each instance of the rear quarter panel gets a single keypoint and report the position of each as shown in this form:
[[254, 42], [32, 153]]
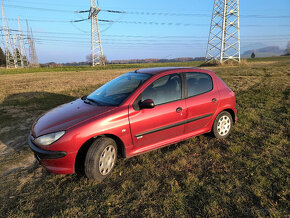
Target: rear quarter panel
[[227, 98]]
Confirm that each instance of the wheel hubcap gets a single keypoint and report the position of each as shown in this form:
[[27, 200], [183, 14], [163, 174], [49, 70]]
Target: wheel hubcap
[[224, 125], [107, 160]]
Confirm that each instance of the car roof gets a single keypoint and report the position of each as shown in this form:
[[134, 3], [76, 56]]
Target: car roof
[[157, 70]]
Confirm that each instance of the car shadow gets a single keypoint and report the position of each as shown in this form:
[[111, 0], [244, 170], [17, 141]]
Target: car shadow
[[17, 114]]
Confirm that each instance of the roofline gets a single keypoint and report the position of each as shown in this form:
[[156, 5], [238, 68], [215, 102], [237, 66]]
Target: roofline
[[158, 70]]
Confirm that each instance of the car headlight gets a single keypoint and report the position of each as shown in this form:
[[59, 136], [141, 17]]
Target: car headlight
[[49, 138]]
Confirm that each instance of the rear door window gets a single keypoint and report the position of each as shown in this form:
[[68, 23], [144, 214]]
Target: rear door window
[[198, 83]]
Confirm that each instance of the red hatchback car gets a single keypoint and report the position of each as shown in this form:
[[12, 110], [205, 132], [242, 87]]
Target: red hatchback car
[[136, 112]]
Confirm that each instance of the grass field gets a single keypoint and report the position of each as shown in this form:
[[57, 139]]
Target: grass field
[[244, 175]]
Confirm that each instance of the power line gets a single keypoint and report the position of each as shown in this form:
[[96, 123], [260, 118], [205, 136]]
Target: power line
[[155, 38], [142, 22], [143, 13], [38, 9], [38, 20], [110, 41], [145, 36]]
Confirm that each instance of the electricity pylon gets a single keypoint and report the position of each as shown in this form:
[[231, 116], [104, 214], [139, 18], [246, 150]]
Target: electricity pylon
[[11, 60], [16, 50], [96, 46], [224, 35], [97, 56], [23, 57], [33, 61]]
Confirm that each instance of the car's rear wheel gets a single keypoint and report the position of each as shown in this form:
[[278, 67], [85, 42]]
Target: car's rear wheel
[[101, 158], [222, 126]]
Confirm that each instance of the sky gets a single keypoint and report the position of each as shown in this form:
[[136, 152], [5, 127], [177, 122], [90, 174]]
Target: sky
[[148, 29]]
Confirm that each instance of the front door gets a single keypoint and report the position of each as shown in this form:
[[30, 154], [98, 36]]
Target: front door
[[163, 122]]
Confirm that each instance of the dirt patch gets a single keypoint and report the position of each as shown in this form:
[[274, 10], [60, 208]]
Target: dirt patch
[[26, 163], [36, 173], [17, 142], [3, 147]]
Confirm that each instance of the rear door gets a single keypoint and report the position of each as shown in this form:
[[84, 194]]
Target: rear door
[[164, 121], [201, 102]]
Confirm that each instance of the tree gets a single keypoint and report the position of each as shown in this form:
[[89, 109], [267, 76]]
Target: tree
[[89, 59], [2, 58], [18, 56], [253, 55], [103, 60], [287, 51]]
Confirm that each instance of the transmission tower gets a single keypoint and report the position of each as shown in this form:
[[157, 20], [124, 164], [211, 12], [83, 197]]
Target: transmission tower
[[23, 57], [11, 60], [97, 56], [224, 35], [16, 50], [96, 46], [34, 58], [33, 61]]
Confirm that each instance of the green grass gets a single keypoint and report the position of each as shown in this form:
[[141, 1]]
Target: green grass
[[244, 175], [123, 66], [89, 68], [281, 58]]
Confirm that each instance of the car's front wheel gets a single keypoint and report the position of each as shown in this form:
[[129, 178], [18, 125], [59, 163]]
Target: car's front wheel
[[222, 125], [101, 158]]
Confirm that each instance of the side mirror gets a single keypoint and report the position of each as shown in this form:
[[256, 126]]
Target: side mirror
[[148, 103]]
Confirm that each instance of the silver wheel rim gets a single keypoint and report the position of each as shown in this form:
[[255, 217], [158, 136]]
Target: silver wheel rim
[[107, 160], [224, 125]]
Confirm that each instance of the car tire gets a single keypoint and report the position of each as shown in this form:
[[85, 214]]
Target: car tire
[[101, 158], [222, 126]]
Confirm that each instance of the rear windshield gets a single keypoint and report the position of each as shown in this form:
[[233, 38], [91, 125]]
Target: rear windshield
[[116, 91]]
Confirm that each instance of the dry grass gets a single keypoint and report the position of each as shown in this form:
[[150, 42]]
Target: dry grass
[[55, 82]]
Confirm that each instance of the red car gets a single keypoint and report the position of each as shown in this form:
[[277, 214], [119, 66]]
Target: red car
[[136, 112]]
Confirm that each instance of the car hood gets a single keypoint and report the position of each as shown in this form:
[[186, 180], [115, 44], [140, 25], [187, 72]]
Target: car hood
[[66, 116]]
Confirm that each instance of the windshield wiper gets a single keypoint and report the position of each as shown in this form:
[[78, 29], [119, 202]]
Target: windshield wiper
[[84, 98], [94, 101]]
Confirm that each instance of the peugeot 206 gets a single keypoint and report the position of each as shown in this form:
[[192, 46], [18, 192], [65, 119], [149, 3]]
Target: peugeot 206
[[135, 113]]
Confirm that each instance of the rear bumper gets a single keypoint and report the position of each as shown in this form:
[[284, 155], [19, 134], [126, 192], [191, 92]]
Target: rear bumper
[[236, 113], [58, 162]]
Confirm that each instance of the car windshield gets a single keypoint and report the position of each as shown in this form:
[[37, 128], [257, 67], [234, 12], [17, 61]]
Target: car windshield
[[116, 91]]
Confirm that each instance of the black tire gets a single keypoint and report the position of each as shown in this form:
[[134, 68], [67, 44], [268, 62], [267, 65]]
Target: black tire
[[222, 126], [101, 158]]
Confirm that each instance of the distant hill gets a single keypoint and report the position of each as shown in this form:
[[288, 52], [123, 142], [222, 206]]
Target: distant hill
[[264, 52], [131, 61], [156, 60]]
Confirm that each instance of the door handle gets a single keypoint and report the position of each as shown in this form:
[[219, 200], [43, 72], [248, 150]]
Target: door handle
[[213, 100], [179, 109]]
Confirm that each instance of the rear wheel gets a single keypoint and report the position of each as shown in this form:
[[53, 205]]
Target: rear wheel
[[101, 158], [223, 125]]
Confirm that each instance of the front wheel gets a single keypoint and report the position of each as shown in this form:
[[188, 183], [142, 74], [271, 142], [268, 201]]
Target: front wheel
[[222, 125], [101, 158]]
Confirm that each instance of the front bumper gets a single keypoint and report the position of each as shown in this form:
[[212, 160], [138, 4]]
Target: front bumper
[[44, 154], [59, 162]]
